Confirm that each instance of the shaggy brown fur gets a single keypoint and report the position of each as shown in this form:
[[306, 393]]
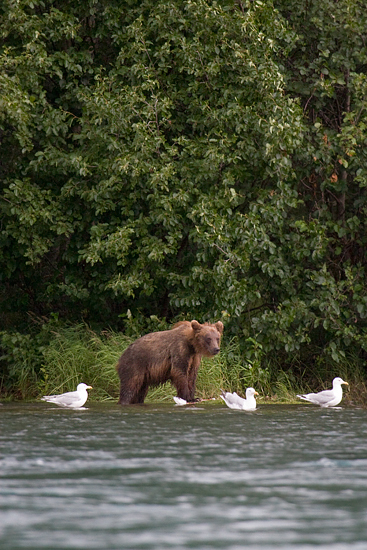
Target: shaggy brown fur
[[173, 355]]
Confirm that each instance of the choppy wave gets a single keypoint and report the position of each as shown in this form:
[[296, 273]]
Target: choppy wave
[[291, 478]]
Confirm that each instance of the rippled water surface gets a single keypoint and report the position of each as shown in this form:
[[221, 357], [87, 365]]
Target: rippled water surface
[[203, 477]]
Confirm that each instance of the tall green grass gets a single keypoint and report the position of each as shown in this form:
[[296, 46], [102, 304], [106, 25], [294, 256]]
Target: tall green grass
[[61, 357], [77, 354]]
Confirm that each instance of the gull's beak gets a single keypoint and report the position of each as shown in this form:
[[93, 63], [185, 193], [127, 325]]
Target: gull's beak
[[345, 383], [89, 387], [256, 393]]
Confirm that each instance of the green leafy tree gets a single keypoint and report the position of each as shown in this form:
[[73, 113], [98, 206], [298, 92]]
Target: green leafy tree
[[44, 58], [326, 70], [108, 202], [194, 158]]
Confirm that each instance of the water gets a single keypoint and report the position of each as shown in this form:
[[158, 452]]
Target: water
[[165, 477]]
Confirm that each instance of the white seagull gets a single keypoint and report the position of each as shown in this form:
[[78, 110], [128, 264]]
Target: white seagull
[[71, 399], [234, 401], [326, 398], [179, 401]]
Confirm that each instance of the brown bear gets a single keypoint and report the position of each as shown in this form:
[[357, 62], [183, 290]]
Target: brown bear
[[173, 355]]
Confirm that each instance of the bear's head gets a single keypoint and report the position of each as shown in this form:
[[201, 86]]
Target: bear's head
[[207, 337]]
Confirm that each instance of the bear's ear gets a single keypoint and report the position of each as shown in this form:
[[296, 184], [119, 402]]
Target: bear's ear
[[219, 326], [195, 325]]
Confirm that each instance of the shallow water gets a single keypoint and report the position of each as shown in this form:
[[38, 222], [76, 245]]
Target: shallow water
[[195, 477]]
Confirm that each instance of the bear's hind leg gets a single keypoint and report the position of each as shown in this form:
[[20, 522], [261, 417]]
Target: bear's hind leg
[[131, 391], [141, 394], [126, 396]]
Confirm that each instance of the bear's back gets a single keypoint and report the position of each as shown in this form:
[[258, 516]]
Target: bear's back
[[159, 346]]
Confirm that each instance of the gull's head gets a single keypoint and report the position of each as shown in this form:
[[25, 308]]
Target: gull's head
[[251, 392], [82, 387], [339, 381]]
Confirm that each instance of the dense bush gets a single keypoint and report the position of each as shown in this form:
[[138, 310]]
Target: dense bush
[[187, 158]]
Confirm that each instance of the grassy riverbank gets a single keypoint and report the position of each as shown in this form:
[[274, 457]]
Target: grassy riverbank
[[58, 358]]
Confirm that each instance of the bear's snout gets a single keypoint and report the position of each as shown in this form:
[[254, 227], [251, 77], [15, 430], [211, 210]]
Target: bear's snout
[[215, 351]]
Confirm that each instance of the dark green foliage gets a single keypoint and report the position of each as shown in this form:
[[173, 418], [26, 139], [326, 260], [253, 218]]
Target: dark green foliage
[[187, 159], [326, 70]]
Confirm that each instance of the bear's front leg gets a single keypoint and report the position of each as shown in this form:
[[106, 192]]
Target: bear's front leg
[[180, 382], [191, 377]]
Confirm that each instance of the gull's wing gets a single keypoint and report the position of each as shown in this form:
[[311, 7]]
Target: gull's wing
[[233, 398], [66, 399], [320, 398]]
